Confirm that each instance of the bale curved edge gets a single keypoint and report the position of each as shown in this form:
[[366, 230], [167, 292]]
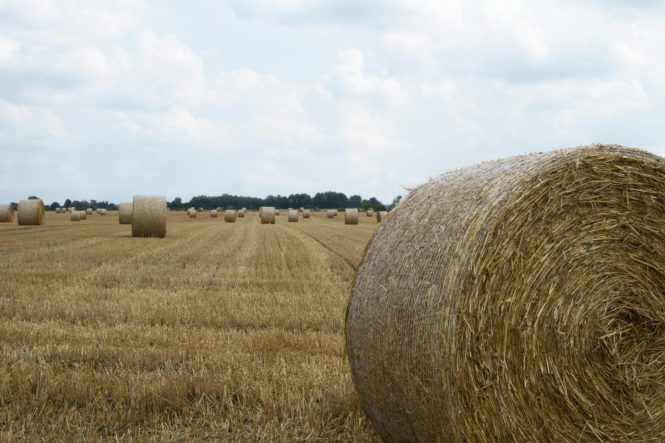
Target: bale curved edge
[[149, 216], [518, 300], [31, 212]]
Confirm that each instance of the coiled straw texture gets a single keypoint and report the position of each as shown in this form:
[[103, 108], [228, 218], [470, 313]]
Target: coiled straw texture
[[518, 300], [6, 213], [125, 211], [293, 215], [149, 216], [267, 214], [331, 213], [351, 216], [31, 212], [230, 216]]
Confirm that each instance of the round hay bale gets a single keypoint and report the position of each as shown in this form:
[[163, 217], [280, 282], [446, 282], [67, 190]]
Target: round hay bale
[[56, 210], [276, 212], [305, 213], [370, 213], [381, 215], [293, 215], [241, 213], [71, 209], [75, 216], [83, 214], [213, 213], [6, 213], [88, 211], [31, 212], [519, 299], [331, 213], [125, 211], [191, 212], [351, 216], [149, 216], [267, 215], [230, 216], [102, 212]]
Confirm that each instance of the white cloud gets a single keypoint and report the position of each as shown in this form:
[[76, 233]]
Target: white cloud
[[390, 90], [352, 78]]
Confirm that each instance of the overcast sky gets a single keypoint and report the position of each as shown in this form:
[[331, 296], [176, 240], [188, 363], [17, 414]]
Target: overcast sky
[[106, 99]]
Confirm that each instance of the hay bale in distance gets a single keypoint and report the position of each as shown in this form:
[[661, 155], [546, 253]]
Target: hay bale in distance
[[31, 212], [519, 299], [213, 213], [305, 213], [6, 214], [293, 215], [351, 216], [331, 213], [191, 212], [370, 213], [381, 215], [149, 216], [125, 211], [230, 216], [276, 212], [241, 212], [75, 216], [267, 215], [102, 212], [88, 211], [83, 214]]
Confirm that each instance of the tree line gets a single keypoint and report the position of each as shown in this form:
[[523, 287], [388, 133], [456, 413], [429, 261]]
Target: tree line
[[320, 200], [329, 199]]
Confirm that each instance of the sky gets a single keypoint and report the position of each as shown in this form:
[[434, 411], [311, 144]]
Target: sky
[[107, 99]]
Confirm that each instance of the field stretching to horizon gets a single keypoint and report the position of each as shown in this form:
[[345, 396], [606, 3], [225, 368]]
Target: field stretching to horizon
[[220, 331]]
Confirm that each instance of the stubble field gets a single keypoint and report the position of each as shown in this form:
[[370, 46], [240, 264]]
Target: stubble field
[[220, 331]]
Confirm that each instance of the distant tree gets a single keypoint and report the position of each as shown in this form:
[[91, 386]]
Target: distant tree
[[355, 201], [176, 203], [68, 203], [54, 205], [396, 201], [32, 197]]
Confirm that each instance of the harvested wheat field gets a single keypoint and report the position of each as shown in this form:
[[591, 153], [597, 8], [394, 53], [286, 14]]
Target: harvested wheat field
[[107, 336]]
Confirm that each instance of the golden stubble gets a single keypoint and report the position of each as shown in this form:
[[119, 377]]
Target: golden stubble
[[220, 331]]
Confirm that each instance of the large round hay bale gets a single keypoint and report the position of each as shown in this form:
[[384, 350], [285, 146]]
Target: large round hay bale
[[293, 215], [83, 214], [6, 213], [331, 213], [518, 300], [276, 212], [230, 216], [381, 215], [305, 213], [89, 211], [125, 213], [102, 212], [351, 216], [75, 216], [31, 212], [241, 212], [149, 216], [267, 215], [370, 213], [213, 213], [192, 212]]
